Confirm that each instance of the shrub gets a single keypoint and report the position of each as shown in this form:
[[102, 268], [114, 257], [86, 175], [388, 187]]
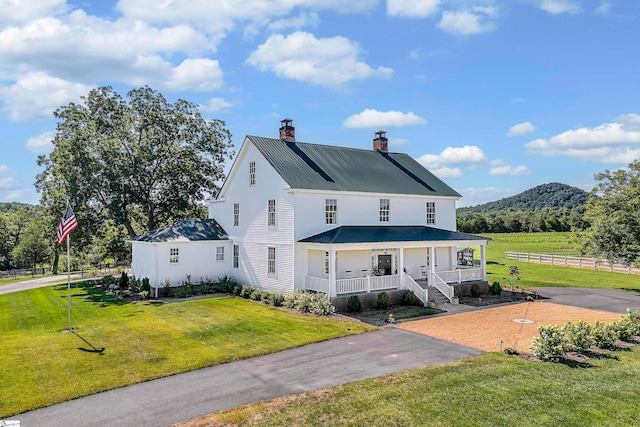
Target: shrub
[[245, 291], [495, 288], [276, 299], [578, 336], [144, 284], [475, 290], [237, 289], [353, 304], [409, 298], [183, 290], [306, 302], [256, 295], [108, 280], [166, 288], [624, 328], [456, 292], [634, 319], [203, 288], [124, 281], [390, 319], [510, 350], [550, 345], [225, 284], [383, 300], [143, 294], [604, 336]]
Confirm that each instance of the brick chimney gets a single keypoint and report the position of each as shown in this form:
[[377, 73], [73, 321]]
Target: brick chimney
[[380, 142], [287, 131]]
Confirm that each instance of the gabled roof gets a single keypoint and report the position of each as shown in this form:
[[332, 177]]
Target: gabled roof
[[398, 233], [326, 167], [188, 230]]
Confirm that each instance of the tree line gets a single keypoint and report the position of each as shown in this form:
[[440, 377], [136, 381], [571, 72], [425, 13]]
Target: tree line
[[522, 220]]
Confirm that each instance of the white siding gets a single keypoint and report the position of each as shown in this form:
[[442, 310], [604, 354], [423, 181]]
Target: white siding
[[253, 236], [413, 259], [143, 261]]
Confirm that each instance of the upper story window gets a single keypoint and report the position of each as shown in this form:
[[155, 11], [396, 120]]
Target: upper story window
[[384, 210], [271, 213], [236, 255], [174, 255], [271, 260], [220, 253], [431, 212], [252, 173], [331, 211], [236, 214]]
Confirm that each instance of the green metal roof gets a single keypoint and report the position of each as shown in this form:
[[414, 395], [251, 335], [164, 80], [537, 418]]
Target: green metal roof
[[188, 230], [327, 167], [399, 233]]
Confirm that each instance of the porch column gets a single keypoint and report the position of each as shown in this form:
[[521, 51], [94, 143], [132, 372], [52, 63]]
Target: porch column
[[483, 261], [401, 266], [332, 273], [432, 259]]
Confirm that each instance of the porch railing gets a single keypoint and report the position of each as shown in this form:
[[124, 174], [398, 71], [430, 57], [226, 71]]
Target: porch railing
[[419, 291], [461, 275], [437, 282], [356, 284], [379, 283], [317, 284]]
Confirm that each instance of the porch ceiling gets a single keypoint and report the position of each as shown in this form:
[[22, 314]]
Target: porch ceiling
[[397, 233]]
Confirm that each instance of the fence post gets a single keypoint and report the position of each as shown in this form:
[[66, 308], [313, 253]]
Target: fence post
[[368, 284]]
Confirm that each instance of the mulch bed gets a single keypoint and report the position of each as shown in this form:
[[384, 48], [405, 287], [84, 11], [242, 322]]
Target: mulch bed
[[506, 296]]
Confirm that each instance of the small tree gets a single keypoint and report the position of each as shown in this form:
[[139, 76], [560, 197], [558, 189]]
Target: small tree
[[514, 276]]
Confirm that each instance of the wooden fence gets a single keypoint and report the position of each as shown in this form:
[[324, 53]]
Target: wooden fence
[[571, 261], [23, 272]]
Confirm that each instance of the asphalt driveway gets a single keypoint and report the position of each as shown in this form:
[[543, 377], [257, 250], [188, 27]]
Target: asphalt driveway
[[185, 396], [597, 299]]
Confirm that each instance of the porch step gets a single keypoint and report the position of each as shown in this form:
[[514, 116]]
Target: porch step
[[436, 295]]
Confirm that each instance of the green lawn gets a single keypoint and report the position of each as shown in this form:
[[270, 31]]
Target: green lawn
[[40, 365], [533, 275], [487, 390]]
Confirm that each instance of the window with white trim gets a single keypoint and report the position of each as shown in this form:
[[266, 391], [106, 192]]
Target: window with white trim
[[220, 253], [384, 210], [326, 263], [236, 255], [271, 260], [174, 255], [252, 174], [431, 212], [271, 213], [236, 214], [331, 211]]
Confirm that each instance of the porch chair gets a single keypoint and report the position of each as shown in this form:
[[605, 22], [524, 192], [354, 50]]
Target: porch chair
[[347, 274]]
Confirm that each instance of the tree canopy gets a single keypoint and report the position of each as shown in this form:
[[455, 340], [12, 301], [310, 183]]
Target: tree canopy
[[136, 160], [613, 211]]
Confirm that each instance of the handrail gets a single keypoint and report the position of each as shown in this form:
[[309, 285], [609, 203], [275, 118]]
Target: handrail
[[419, 291], [437, 282]]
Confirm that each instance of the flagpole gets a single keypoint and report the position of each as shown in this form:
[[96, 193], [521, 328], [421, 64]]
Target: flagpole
[[69, 282]]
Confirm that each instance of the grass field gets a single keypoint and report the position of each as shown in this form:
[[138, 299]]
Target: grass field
[[534, 275], [487, 390], [40, 365]]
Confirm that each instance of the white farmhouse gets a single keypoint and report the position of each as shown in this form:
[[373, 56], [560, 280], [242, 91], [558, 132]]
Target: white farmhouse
[[318, 217]]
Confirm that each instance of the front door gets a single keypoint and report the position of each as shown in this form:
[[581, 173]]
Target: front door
[[384, 264]]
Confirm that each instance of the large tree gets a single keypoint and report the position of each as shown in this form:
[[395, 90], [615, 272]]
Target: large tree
[[137, 160], [613, 212]]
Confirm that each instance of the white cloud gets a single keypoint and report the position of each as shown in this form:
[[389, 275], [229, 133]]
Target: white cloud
[[6, 178], [37, 94], [521, 129], [197, 74], [41, 144], [18, 12], [475, 196], [216, 104], [310, 19], [439, 164], [414, 54], [398, 141], [469, 21], [373, 118], [498, 167], [412, 8], [558, 6], [614, 142], [329, 62], [604, 7]]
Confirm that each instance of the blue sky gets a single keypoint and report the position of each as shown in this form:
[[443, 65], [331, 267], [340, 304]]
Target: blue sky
[[493, 96]]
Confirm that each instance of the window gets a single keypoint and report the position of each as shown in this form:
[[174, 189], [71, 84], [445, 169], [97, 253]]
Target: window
[[252, 173], [220, 253], [431, 212], [326, 263], [384, 210], [271, 215], [236, 214], [174, 255], [271, 260], [331, 211], [236, 255]]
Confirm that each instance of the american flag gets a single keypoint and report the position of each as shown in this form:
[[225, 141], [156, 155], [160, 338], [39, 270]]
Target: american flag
[[68, 223]]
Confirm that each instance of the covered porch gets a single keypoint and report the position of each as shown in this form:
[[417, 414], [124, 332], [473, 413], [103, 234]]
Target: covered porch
[[350, 260]]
